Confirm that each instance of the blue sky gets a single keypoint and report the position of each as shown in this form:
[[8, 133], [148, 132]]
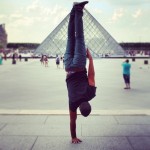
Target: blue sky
[[33, 20]]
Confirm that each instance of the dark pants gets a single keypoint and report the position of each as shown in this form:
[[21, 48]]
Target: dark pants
[[75, 55], [126, 78]]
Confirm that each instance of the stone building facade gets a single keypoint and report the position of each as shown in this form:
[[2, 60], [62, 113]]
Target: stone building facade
[[3, 37]]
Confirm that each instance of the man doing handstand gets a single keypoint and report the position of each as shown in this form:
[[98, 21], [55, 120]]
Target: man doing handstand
[[81, 87]]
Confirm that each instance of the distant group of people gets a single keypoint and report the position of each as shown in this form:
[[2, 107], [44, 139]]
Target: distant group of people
[[58, 59], [44, 60], [14, 57]]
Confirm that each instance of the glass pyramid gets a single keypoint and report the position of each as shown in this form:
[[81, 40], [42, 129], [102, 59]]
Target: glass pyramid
[[97, 39]]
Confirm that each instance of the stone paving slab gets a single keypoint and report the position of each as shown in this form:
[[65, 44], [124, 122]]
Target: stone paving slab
[[110, 112], [115, 130], [20, 119], [140, 143], [133, 120], [99, 119], [2, 125], [17, 142], [64, 143], [38, 130], [54, 119], [53, 132], [101, 143]]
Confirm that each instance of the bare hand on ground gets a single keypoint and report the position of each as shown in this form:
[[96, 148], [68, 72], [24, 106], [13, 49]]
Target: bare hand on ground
[[76, 141]]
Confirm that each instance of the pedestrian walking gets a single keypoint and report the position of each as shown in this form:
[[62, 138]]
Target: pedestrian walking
[[126, 73]]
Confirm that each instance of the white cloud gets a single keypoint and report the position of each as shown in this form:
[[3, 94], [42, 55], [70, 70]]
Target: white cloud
[[35, 5], [32, 19], [137, 14], [146, 29], [2, 16], [96, 11], [125, 2], [40, 9], [42, 16], [118, 13], [16, 15], [45, 13], [25, 21]]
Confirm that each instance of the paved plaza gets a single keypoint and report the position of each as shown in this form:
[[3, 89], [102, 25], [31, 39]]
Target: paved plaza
[[29, 86], [34, 108]]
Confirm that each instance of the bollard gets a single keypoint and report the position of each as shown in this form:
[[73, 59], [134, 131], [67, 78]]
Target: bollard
[[145, 62], [13, 61], [133, 59], [26, 59]]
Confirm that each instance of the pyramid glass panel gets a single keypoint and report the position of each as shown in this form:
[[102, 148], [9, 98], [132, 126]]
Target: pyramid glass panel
[[97, 39]]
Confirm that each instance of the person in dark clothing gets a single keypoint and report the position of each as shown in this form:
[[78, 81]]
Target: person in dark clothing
[[20, 57], [80, 85], [13, 57], [57, 61]]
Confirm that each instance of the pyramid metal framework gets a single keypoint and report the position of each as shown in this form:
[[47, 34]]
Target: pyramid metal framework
[[97, 39]]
